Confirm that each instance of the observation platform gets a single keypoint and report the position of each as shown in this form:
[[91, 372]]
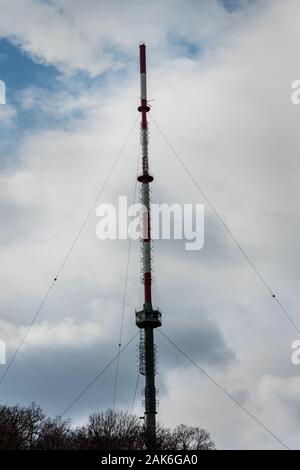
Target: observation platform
[[148, 317]]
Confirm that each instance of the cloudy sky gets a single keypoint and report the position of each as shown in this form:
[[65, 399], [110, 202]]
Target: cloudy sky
[[219, 75]]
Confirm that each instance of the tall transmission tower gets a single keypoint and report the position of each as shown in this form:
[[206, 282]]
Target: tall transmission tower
[[148, 318]]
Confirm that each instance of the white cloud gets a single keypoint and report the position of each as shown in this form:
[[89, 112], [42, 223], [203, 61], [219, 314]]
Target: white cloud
[[92, 36]]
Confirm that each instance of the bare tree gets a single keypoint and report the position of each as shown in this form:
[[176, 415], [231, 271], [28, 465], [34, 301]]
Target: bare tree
[[191, 438], [112, 430], [19, 426], [29, 428], [119, 430], [55, 434]]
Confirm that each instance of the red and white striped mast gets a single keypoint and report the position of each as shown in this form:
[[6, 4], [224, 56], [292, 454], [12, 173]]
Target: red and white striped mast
[[145, 178], [148, 318]]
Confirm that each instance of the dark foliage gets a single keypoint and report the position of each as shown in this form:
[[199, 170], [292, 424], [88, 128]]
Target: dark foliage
[[29, 428]]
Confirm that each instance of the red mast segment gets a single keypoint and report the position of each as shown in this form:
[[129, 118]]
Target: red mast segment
[[145, 179]]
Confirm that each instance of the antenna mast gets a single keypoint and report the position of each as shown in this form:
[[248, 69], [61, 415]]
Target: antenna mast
[[148, 318]]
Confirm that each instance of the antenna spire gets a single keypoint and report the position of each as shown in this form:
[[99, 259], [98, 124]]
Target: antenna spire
[[148, 318]]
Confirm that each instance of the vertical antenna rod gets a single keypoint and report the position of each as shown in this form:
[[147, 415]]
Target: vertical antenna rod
[[148, 318]]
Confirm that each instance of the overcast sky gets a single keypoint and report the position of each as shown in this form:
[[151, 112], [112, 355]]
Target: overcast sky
[[219, 75]]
